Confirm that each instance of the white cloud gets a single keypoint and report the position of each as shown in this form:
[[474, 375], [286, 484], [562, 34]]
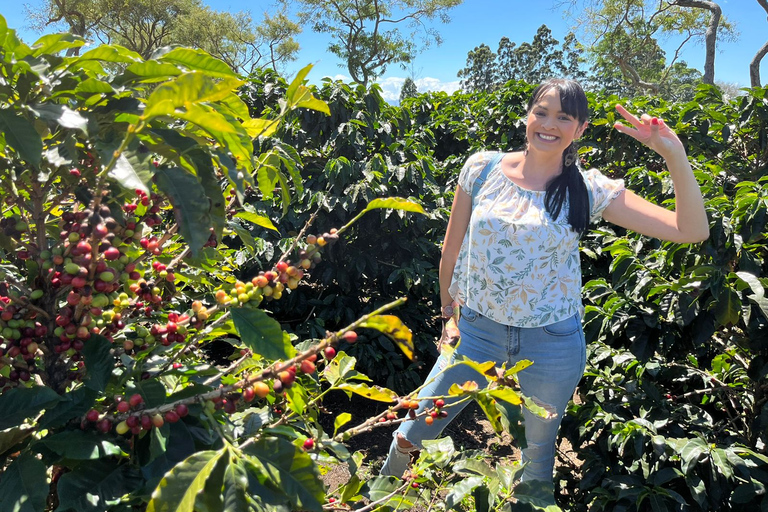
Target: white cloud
[[391, 86]]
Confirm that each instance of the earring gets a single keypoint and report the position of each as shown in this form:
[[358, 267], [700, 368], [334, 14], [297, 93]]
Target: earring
[[570, 155]]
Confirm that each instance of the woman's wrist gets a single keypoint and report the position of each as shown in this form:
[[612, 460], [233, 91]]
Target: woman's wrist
[[448, 311]]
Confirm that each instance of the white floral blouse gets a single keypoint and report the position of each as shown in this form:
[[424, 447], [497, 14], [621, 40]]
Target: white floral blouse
[[516, 265]]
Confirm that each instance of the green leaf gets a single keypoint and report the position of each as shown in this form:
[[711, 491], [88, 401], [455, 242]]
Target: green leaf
[[24, 485], [18, 404], [54, 43], [179, 487], [506, 394], [342, 368], [62, 115], [152, 390], [199, 60], [82, 445], [98, 361], [21, 136], [377, 393], [291, 470], [262, 334], [753, 282], [727, 307], [94, 485], [395, 203], [395, 329], [259, 220], [691, 453], [190, 205], [11, 437], [296, 83], [72, 405], [187, 90], [257, 127], [460, 490], [148, 72], [235, 487], [128, 176], [491, 411], [109, 53], [341, 420]]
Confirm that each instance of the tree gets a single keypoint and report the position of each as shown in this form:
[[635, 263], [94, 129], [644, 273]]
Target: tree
[[480, 73], [409, 89], [531, 62], [146, 25], [632, 28], [754, 66], [365, 33]]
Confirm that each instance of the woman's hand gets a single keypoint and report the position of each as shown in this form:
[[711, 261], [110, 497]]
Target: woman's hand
[[652, 132], [450, 335]]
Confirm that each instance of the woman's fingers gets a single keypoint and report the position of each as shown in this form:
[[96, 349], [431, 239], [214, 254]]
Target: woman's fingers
[[626, 114]]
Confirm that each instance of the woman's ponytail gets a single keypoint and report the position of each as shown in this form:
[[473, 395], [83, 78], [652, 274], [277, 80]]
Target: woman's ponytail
[[569, 186]]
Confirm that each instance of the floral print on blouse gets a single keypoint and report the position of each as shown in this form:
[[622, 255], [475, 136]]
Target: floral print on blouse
[[518, 266]]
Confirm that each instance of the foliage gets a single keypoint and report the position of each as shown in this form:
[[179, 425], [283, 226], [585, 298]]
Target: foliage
[[366, 34], [409, 89], [624, 32], [672, 414], [145, 26], [664, 319], [122, 192], [530, 62]]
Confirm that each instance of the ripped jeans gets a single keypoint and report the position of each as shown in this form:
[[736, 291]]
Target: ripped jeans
[[558, 353]]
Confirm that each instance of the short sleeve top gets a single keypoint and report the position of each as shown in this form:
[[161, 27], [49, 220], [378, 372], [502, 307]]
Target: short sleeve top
[[517, 265]]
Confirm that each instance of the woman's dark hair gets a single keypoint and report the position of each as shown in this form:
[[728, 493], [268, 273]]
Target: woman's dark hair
[[569, 183]]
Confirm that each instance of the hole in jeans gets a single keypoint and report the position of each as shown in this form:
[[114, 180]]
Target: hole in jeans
[[549, 408]]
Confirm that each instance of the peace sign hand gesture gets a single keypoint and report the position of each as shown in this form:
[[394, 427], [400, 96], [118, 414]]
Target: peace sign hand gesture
[[652, 132]]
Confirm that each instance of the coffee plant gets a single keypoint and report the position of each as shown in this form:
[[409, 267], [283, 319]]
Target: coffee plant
[[134, 192]]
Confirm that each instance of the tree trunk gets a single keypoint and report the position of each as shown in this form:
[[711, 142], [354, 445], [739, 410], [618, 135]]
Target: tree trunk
[[754, 66], [711, 36]]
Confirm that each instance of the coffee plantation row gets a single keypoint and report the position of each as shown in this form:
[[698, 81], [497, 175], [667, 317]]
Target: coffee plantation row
[[153, 209]]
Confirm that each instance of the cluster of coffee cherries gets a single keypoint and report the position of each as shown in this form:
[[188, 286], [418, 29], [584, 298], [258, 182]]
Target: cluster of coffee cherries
[[270, 284], [436, 412], [138, 419]]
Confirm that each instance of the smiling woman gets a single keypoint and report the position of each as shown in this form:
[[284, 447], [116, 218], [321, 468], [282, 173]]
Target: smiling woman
[[510, 261]]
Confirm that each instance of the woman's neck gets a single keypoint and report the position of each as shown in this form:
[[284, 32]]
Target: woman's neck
[[537, 170]]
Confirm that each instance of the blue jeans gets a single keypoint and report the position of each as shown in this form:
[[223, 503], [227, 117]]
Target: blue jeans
[[558, 353]]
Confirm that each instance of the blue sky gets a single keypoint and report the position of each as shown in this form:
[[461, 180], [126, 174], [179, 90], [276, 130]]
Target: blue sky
[[486, 21]]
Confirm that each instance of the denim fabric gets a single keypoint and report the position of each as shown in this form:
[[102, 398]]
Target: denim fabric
[[558, 354]]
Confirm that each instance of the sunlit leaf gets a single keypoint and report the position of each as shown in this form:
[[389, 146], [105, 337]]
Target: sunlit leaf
[[255, 218], [341, 420], [262, 334], [395, 203], [178, 489], [395, 329], [371, 392]]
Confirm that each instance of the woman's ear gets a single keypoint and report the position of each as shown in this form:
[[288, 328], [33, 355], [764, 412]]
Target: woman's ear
[[581, 129]]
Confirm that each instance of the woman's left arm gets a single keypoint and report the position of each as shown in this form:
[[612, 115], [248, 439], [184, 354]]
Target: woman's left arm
[[688, 222]]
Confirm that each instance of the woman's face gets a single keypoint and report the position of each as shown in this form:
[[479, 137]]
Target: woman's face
[[549, 130]]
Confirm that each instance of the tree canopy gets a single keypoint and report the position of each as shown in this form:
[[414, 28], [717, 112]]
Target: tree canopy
[[626, 33], [532, 62], [367, 35], [144, 26]]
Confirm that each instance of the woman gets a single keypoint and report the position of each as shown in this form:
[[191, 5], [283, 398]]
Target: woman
[[510, 259]]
